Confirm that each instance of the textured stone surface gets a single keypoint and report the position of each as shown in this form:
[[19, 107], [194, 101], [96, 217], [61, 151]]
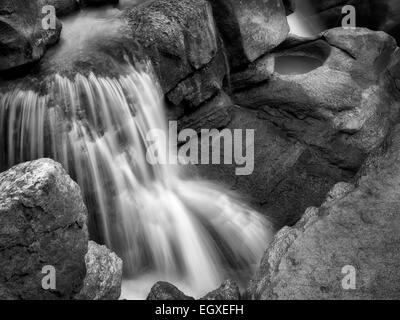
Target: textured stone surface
[[250, 28], [103, 274], [166, 291], [22, 38], [344, 103], [377, 15], [229, 290], [42, 222], [178, 35], [288, 175], [358, 228]]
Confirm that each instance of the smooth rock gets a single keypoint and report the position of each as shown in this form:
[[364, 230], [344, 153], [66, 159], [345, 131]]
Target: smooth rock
[[334, 93]]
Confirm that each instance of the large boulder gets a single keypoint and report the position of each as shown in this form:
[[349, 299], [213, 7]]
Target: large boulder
[[103, 274], [23, 40], [321, 105], [178, 35], [166, 291], [42, 223], [349, 248], [333, 93], [250, 28]]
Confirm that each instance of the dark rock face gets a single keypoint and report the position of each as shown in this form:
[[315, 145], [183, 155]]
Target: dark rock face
[[103, 274], [356, 227], [290, 6], [383, 15], [43, 222], [89, 3], [63, 7], [250, 28], [229, 290], [22, 37], [166, 291]]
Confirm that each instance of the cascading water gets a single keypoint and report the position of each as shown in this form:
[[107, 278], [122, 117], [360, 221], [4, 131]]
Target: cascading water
[[165, 227]]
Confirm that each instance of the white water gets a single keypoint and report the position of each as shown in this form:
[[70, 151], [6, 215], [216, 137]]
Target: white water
[[165, 227]]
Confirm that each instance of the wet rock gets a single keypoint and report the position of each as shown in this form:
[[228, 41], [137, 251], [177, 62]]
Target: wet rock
[[23, 40], [288, 175], [250, 28], [166, 291], [336, 93], [359, 230], [63, 7], [103, 274], [215, 113], [178, 35], [43, 223], [229, 290], [201, 86]]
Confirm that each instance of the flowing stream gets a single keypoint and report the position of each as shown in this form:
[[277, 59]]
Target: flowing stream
[[163, 225]]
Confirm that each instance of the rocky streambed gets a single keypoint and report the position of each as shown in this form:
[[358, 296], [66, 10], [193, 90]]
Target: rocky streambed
[[324, 109]]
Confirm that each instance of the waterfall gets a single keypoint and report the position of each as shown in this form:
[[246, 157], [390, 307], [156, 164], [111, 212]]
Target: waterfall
[[158, 221]]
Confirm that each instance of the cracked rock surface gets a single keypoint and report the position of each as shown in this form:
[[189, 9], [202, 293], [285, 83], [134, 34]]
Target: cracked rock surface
[[357, 226], [42, 222]]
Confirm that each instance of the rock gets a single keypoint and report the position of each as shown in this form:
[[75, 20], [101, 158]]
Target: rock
[[91, 3], [166, 291], [178, 35], [358, 229], [340, 190], [201, 86], [103, 274], [333, 93], [229, 290], [250, 28], [213, 114], [22, 37], [288, 175], [290, 6], [378, 15], [63, 7], [42, 223]]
